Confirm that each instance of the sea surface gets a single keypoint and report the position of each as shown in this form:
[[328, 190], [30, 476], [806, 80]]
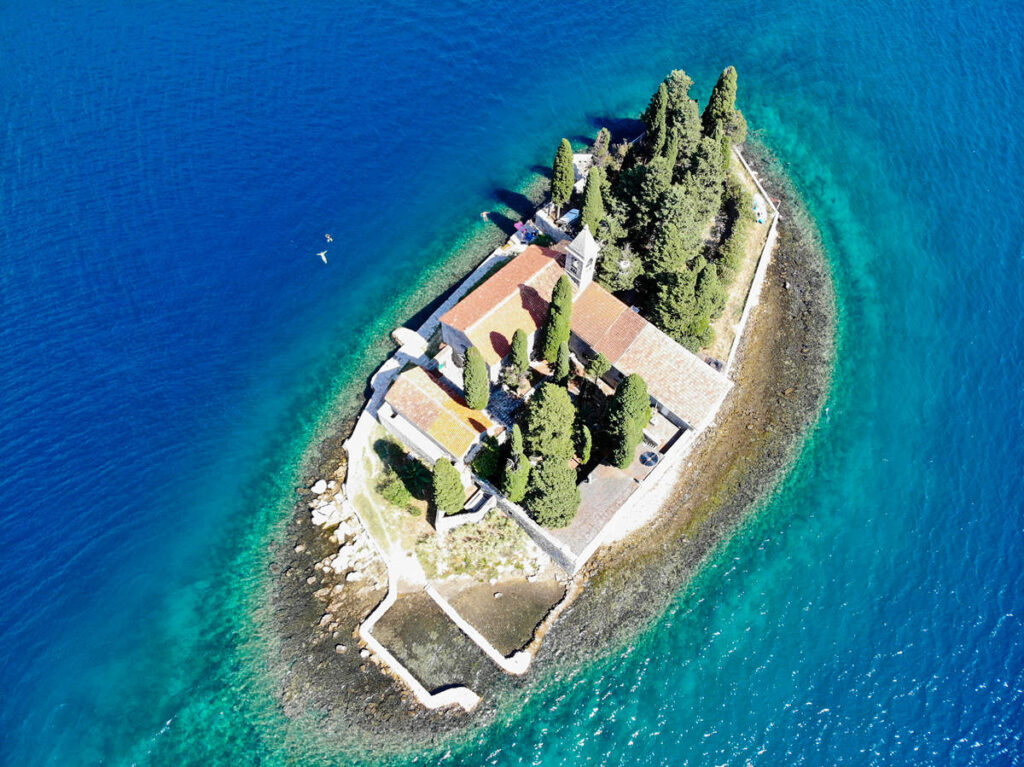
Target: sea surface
[[170, 345]]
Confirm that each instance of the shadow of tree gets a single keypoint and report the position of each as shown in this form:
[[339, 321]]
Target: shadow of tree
[[411, 472], [518, 202]]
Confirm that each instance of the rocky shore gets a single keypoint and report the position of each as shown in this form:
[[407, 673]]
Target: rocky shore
[[319, 593]]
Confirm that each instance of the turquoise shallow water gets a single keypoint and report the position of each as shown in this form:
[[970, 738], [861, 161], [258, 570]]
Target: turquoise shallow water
[[171, 345]]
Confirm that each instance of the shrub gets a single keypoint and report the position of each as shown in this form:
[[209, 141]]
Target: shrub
[[487, 464]]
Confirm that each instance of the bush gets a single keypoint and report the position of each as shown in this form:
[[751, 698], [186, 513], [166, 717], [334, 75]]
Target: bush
[[487, 464]]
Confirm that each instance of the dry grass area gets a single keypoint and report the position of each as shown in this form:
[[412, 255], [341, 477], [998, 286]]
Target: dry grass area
[[394, 500], [492, 548], [725, 326]]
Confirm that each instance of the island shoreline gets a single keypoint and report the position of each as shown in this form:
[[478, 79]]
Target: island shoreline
[[783, 374]]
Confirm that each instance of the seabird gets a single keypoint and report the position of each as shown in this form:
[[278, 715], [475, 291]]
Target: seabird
[[329, 238], [323, 256]]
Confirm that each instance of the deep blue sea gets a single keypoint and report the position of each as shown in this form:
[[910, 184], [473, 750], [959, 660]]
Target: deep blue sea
[[170, 345]]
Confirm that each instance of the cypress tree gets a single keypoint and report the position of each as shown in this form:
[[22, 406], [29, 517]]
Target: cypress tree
[[476, 380], [671, 154], [721, 114], [598, 367], [628, 414], [520, 359], [602, 147], [562, 175], [448, 494], [682, 115], [709, 295], [593, 201], [517, 468], [562, 365], [553, 497], [557, 327], [550, 416], [584, 443], [703, 182], [649, 197], [671, 305], [654, 120], [667, 253]]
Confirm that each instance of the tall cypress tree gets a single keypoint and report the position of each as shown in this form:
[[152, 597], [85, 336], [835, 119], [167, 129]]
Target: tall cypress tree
[[557, 327], [448, 495], [520, 359], [721, 114], [682, 114], [628, 414], [475, 379], [517, 468], [654, 120], [562, 365], [550, 416], [553, 497], [593, 200], [562, 175]]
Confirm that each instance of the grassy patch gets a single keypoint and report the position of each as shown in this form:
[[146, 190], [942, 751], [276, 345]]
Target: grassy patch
[[481, 550]]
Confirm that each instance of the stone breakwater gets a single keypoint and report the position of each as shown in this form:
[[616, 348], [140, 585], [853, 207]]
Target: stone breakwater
[[782, 376]]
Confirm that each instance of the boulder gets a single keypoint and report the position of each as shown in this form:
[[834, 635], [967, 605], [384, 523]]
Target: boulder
[[340, 649], [319, 487]]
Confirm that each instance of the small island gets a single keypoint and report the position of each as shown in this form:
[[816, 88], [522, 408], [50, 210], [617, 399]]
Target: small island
[[550, 405]]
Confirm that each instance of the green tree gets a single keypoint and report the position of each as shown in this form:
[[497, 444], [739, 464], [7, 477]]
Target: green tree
[[517, 468], [448, 494], [549, 422], [679, 210], [557, 327], [617, 268], [520, 359], [562, 365], [721, 114], [563, 176], [654, 120], [703, 182], [649, 197], [709, 295], [671, 304], [598, 367], [593, 202], [553, 497], [628, 414], [476, 380], [682, 113], [601, 150], [667, 253], [583, 442]]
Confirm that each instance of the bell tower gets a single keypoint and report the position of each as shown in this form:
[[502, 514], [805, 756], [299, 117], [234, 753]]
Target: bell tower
[[581, 258]]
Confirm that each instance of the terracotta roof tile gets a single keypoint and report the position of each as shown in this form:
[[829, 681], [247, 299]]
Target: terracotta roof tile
[[428, 402], [516, 296], [675, 377]]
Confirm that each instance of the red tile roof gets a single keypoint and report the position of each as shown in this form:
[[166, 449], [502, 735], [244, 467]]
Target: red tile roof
[[516, 296], [675, 377], [436, 409]]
